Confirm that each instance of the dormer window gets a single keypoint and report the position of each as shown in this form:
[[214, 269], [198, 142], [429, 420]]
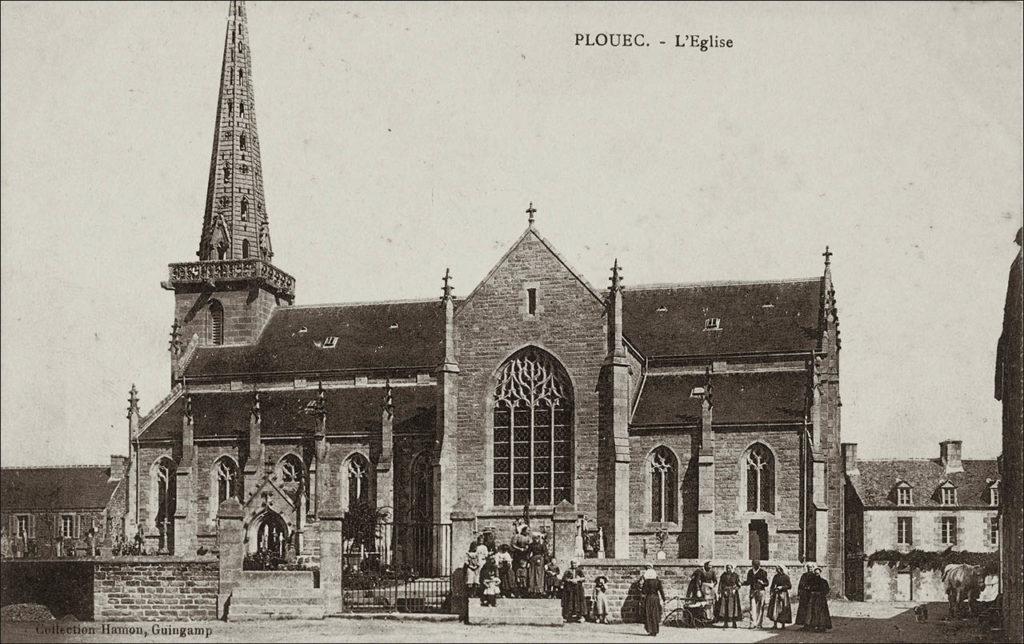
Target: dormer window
[[713, 324], [904, 494], [993, 493], [330, 342], [947, 494]]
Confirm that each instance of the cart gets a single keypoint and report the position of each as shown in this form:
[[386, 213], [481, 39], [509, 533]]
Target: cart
[[688, 613]]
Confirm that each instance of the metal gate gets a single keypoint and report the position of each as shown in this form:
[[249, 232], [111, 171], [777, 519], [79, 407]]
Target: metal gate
[[404, 567]]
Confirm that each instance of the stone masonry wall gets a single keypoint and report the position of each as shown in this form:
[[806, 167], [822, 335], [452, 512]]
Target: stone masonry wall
[[155, 588], [569, 324], [243, 319]]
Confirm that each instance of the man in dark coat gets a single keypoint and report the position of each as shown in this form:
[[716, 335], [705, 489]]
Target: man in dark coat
[[653, 595], [729, 608], [803, 594], [574, 603], [757, 579]]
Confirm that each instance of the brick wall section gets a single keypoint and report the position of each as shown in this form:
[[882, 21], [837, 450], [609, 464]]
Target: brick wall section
[[155, 588], [570, 325]]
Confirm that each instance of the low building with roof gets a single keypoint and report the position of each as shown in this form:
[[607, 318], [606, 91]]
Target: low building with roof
[[933, 505], [62, 511]]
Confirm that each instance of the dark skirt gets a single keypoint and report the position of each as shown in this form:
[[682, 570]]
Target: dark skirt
[[779, 609], [818, 616], [573, 603], [803, 607], [729, 607], [535, 578], [652, 613], [505, 576]]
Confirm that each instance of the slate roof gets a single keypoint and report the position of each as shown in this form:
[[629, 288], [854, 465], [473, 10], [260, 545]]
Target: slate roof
[[380, 335], [757, 317], [878, 479], [55, 488], [766, 397], [349, 410]]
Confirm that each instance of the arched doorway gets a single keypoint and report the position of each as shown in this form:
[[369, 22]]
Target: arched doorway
[[269, 535]]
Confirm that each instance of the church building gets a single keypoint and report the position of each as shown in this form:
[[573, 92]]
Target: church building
[[698, 420]]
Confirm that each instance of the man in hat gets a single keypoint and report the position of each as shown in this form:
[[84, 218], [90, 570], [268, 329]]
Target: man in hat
[[757, 579]]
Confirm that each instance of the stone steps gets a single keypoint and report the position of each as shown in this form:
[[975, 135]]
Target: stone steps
[[534, 612], [281, 594]]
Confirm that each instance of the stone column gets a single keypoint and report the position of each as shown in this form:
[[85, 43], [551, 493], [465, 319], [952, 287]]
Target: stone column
[[445, 463], [385, 471], [253, 469], [564, 521], [133, 472], [185, 512], [231, 548], [463, 526], [706, 477], [613, 447], [331, 559]]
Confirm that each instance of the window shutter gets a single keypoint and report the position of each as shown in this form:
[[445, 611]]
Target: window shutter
[[31, 526], [78, 526], [14, 526], [57, 533]]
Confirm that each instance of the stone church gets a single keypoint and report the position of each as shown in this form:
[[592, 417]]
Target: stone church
[[698, 420]]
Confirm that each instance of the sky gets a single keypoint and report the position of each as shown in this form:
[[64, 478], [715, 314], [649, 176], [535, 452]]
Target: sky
[[401, 139]]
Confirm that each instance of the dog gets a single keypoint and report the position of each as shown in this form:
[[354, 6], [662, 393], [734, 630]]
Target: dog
[[921, 613]]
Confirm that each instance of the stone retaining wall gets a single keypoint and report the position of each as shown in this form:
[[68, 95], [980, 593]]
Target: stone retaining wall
[[152, 588]]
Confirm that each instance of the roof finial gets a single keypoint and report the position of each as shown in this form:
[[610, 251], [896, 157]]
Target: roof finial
[[389, 403], [447, 288], [616, 278], [175, 343], [828, 256], [256, 403], [133, 401], [531, 211]]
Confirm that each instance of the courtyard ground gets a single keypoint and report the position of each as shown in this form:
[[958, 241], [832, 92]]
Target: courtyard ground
[[853, 622]]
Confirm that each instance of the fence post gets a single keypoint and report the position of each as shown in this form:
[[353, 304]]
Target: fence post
[[332, 549], [231, 546]]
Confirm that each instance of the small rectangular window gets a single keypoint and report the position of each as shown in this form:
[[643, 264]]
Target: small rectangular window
[[713, 324], [904, 531], [23, 525], [993, 531], [948, 496], [994, 495], [903, 496], [531, 299], [948, 531], [67, 526], [330, 342]]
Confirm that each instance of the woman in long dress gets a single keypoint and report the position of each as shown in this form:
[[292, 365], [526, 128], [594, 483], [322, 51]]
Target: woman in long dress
[[535, 576], [779, 609], [729, 607], [653, 595], [504, 561], [490, 583], [803, 595], [601, 599], [818, 617], [472, 570], [574, 605]]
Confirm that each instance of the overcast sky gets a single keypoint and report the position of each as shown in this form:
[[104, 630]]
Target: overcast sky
[[401, 139]]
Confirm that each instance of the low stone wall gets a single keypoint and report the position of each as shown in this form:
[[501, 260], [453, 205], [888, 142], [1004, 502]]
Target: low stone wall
[[883, 583], [155, 588], [624, 591]]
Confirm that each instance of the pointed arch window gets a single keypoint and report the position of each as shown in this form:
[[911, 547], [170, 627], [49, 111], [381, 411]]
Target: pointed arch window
[[216, 322], [664, 472], [533, 434], [760, 475], [164, 494], [291, 470], [241, 108], [241, 141], [226, 477], [357, 471], [245, 249], [227, 173], [244, 207], [422, 489]]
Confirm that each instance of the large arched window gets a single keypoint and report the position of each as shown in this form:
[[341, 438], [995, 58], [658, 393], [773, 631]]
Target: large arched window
[[216, 322], [225, 474], [759, 464], [663, 470], [533, 406], [290, 469], [357, 473]]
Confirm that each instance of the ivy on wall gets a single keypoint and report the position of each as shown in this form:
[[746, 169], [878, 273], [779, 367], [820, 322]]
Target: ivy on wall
[[935, 560]]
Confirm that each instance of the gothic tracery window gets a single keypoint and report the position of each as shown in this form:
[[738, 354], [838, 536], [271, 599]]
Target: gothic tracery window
[[291, 469], [165, 497], [760, 474], [357, 471], [227, 479], [663, 485], [533, 434]]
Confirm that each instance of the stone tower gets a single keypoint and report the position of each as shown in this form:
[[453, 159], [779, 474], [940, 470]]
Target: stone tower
[[228, 295]]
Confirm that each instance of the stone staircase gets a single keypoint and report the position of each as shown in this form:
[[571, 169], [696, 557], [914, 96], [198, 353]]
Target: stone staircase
[[275, 594], [533, 612]]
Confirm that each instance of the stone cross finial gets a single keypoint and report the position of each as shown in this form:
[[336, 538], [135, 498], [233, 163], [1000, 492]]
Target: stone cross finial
[[389, 403], [828, 256], [133, 401], [531, 211], [447, 288], [616, 278]]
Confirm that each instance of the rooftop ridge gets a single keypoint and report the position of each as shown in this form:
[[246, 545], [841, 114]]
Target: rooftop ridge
[[360, 303], [104, 466], [667, 285]]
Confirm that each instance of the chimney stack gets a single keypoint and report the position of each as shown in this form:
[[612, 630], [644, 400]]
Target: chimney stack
[[949, 455], [118, 465], [850, 458]]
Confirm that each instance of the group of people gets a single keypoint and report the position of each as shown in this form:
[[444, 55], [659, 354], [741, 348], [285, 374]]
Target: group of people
[[524, 568], [721, 596]]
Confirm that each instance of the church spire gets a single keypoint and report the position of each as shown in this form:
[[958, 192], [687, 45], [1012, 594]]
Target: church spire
[[235, 225]]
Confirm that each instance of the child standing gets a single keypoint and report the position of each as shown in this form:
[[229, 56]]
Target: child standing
[[601, 599]]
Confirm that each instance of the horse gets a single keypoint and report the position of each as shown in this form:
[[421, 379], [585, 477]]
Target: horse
[[962, 581]]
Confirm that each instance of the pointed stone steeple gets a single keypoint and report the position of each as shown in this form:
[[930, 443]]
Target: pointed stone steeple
[[235, 225]]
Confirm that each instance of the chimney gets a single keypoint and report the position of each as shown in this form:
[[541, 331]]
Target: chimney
[[118, 465], [850, 458], [949, 456]]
